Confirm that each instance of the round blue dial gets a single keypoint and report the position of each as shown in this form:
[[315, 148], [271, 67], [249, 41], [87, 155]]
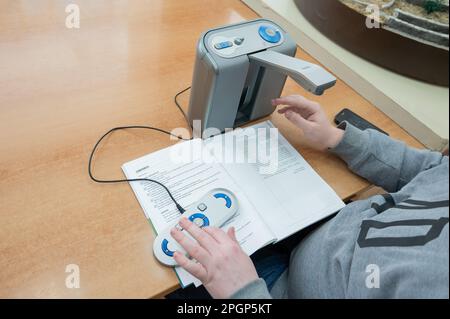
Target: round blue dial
[[269, 34], [225, 197], [202, 217], [165, 248]]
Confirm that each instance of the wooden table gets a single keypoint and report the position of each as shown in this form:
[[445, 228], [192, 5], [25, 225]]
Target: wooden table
[[60, 89]]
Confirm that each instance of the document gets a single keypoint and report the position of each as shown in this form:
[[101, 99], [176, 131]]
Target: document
[[278, 194], [290, 198]]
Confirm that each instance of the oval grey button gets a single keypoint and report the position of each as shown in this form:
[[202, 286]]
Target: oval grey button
[[238, 41]]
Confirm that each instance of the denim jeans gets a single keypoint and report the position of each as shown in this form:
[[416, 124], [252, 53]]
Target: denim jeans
[[270, 263]]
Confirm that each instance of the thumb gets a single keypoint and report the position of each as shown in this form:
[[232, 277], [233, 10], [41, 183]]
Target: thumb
[[297, 120], [232, 234]]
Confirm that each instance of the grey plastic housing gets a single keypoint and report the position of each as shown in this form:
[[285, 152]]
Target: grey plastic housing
[[308, 75], [233, 86]]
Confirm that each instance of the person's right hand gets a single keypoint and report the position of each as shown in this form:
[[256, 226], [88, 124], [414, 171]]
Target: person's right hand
[[218, 259], [311, 119]]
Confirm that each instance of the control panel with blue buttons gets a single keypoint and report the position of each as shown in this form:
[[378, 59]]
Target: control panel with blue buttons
[[213, 209], [246, 39]]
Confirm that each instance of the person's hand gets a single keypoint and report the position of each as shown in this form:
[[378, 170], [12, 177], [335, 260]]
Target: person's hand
[[311, 119], [222, 266]]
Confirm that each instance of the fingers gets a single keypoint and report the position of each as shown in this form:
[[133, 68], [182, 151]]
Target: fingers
[[192, 248], [202, 237], [305, 113], [298, 120], [298, 110], [192, 267], [295, 100], [232, 234], [298, 103], [218, 234]]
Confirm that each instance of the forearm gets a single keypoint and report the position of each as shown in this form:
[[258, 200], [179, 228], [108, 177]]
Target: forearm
[[382, 160]]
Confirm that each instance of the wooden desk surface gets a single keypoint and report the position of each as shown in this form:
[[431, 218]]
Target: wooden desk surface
[[60, 89]]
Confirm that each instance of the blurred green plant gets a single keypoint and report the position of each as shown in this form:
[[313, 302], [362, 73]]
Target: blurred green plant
[[432, 6]]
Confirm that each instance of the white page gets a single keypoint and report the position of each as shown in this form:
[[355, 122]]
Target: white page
[[188, 182], [291, 198]]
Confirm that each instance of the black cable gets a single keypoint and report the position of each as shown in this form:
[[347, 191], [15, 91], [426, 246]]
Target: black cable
[[103, 181], [179, 106]]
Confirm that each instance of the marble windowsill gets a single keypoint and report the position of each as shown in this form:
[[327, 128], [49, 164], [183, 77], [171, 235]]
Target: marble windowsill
[[420, 108]]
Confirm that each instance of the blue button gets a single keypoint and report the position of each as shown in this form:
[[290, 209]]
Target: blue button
[[227, 199], [223, 45], [165, 249], [269, 34], [205, 220]]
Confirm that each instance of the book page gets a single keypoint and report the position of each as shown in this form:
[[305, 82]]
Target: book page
[[188, 181], [287, 193]]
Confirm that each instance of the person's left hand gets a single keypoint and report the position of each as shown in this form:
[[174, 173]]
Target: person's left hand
[[222, 266]]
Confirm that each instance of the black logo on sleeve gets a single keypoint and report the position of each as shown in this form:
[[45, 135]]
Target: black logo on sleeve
[[434, 231], [407, 204]]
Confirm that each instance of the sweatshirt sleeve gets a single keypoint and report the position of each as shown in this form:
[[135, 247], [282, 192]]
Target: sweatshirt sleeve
[[257, 289], [383, 161]]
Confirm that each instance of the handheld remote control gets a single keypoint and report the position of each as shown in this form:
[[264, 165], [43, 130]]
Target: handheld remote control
[[215, 208]]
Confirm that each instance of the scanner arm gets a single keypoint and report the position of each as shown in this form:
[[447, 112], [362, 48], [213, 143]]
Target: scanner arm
[[311, 77]]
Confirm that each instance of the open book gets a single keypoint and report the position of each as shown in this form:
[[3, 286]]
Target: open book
[[278, 191]]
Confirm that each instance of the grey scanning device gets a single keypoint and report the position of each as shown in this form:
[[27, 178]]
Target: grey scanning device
[[239, 69]]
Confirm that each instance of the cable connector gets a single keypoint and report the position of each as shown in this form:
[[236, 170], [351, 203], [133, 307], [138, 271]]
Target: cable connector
[[180, 209]]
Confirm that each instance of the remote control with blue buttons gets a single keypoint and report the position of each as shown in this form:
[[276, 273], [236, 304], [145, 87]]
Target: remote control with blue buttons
[[214, 209]]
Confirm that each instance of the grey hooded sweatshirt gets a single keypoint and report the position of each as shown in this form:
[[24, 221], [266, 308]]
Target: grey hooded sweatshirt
[[388, 246]]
